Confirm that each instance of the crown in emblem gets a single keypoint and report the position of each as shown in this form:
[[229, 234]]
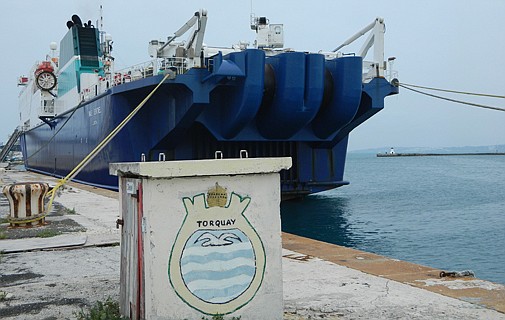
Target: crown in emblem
[[217, 196]]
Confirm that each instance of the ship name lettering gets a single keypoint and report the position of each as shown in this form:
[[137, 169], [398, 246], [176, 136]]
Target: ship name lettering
[[95, 111], [215, 223]]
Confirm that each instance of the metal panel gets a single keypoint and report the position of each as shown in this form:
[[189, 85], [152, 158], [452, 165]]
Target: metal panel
[[131, 288]]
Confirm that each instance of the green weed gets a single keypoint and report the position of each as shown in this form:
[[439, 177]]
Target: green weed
[[108, 310], [70, 211], [47, 233]]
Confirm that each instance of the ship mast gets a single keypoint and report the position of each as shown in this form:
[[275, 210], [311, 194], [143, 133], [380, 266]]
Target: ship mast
[[106, 48]]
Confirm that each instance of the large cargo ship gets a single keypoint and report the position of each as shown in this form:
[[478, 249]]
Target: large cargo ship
[[260, 97]]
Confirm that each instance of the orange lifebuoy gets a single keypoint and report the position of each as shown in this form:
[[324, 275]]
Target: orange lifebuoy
[[44, 66]]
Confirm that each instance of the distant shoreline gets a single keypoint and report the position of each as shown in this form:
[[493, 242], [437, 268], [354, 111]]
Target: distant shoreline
[[390, 155]]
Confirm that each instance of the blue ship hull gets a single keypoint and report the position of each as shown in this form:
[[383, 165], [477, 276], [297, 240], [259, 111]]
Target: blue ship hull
[[292, 104]]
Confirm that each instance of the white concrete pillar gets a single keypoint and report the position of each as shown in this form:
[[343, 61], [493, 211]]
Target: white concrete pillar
[[201, 238]]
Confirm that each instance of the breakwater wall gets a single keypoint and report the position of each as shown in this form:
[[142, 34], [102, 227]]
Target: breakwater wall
[[391, 155]]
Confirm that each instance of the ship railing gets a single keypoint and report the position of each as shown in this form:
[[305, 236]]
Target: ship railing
[[370, 69], [179, 65], [86, 93], [93, 90], [129, 74], [135, 72]]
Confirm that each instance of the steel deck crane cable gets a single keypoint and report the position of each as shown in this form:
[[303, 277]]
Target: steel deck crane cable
[[100, 146], [454, 91], [452, 100]]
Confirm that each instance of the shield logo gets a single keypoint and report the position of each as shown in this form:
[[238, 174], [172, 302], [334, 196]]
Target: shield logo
[[217, 262]]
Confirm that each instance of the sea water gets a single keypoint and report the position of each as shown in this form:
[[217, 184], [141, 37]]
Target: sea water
[[445, 212]]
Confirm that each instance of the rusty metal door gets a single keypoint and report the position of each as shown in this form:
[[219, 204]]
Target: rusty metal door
[[132, 262]]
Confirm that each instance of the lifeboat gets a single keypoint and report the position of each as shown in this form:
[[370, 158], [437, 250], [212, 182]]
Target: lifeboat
[[44, 76]]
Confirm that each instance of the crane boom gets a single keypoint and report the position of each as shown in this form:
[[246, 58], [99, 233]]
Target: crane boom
[[198, 22]]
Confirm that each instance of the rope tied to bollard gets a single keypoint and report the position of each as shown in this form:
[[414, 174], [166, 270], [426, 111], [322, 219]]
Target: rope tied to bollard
[[32, 219], [52, 193]]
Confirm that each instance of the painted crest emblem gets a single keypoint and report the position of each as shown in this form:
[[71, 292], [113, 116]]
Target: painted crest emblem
[[217, 262]]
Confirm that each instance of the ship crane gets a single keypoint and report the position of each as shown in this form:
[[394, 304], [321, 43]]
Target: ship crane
[[191, 49], [375, 38]]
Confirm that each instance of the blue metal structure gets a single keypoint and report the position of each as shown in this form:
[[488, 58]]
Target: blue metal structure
[[291, 104]]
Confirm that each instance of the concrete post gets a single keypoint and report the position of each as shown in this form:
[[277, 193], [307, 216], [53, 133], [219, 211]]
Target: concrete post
[[201, 238], [26, 201]]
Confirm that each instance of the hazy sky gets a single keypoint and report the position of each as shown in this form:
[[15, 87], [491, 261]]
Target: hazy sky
[[448, 44]]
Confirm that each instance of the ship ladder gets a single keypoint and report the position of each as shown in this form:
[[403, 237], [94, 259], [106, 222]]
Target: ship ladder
[[8, 146]]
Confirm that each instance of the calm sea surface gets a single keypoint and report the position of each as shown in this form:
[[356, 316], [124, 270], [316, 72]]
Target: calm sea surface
[[444, 212]]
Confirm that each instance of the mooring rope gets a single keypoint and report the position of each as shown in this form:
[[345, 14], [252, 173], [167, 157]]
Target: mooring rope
[[454, 91], [26, 220], [407, 86], [100, 146]]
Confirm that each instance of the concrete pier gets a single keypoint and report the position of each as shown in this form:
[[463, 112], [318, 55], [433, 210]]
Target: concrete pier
[[52, 278]]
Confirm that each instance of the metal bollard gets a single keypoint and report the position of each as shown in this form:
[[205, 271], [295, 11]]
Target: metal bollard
[[26, 201]]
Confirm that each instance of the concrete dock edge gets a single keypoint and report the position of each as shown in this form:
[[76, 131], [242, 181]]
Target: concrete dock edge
[[320, 280]]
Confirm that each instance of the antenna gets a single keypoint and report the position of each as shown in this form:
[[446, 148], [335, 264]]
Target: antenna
[[252, 18], [101, 17], [102, 32]]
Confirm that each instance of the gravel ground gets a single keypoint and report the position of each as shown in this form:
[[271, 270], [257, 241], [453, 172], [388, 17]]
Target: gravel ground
[[57, 222], [57, 284]]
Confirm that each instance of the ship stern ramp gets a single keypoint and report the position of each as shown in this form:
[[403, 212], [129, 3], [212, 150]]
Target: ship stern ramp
[[291, 104]]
